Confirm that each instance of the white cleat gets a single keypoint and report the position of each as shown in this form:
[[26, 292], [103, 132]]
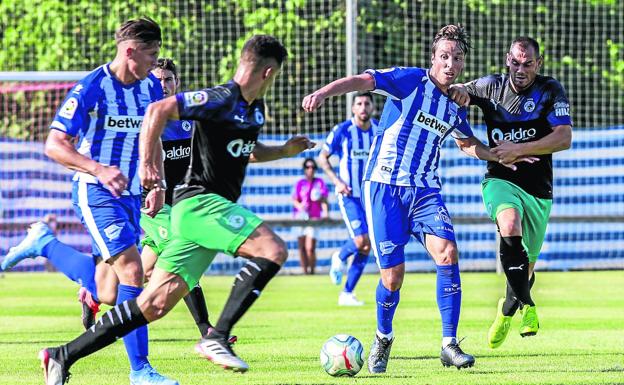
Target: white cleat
[[336, 269], [349, 299], [220, 353]]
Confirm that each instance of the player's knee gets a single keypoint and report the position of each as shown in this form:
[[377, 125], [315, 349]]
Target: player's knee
[[392, 281], [277, 251], [447, 256], [509, 228], [154, 306], [363, 245]]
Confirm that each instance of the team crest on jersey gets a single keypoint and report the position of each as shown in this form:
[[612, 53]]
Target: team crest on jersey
[[259, 117], [186, 125], [236, 221], [196, 98], [355, 224], [112, 232], [69, 108], [163, 232], [386, 247], [529, 105]]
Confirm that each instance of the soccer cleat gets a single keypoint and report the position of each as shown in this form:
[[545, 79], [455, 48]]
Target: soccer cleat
[[39, 235], [54, 372], [452, 355], [530, 324], [336, 269], [231, 340], [379, 355], [500, 327], [149, 376], [349, 299], [219, 351], [89, 307]]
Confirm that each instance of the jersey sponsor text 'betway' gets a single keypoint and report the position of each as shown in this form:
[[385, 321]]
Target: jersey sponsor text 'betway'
[[123, 123], [431, 123]]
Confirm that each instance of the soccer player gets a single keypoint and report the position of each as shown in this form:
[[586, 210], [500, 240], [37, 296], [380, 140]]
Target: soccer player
[[526, 114], [104, 111], [204, 218], [351, 141], [401, 186], [81, 268]]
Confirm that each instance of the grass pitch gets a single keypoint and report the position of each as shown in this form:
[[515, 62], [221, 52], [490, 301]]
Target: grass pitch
[[581, 340]]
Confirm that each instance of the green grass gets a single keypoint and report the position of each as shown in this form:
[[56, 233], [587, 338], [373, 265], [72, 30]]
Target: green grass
[[581, 340]]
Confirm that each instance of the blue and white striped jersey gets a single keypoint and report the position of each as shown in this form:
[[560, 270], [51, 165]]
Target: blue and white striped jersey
[[416, 119], [352, 145], [105, 115]]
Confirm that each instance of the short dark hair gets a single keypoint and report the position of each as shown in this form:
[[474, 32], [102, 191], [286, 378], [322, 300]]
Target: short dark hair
[[525, 42], [308, 160], [143, 29], [360, 94], [455, 33], [260, 48], [167, 64]]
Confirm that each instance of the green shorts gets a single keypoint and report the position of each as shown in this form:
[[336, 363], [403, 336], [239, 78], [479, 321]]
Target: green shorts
[[157, 230], [202, 226], [499, 194]]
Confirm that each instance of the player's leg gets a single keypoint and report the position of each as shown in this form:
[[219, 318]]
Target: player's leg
[[41, 241], [216, 223], [389, 232], [432, 226], [505, 207], [113, 224], [534, 223], [310, 246], [164, 291], [303, 257], [340, 257], [359, 229]]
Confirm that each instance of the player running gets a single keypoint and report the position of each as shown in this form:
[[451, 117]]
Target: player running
[[401, 189], [204, 218], [351, 141], [526, 115]]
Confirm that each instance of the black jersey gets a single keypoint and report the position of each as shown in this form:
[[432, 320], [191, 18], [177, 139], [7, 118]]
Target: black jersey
[[524, 117], [176, 142], [224, 137]]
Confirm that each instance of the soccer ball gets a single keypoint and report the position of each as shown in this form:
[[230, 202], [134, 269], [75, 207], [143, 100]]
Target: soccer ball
[[341, 355]]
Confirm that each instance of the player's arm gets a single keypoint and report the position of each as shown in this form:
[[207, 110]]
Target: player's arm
[[362, 82], [325, 164], [292, 147], [155, 199], [150, 146], [558, 140], [473, 147], [60, 148]]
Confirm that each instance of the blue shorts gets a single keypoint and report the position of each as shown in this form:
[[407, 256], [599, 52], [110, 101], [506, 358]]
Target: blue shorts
[[394, 213], [353, 215], [113, 223]]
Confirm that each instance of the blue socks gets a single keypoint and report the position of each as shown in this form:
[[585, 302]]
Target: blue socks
[[387, 302], [347, 250], [77, 266], [136, 340], [448, 293], [355, 271]]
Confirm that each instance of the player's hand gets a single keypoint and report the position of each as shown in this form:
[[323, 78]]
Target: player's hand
[[113, 179], [527, 159], [313, 102], [297, 144], [154, 201], [149, 175], [342, 188], [459, 94], [507, 152]]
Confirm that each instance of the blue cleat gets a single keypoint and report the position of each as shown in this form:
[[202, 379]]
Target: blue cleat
[[149, 376], [39, 235]]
